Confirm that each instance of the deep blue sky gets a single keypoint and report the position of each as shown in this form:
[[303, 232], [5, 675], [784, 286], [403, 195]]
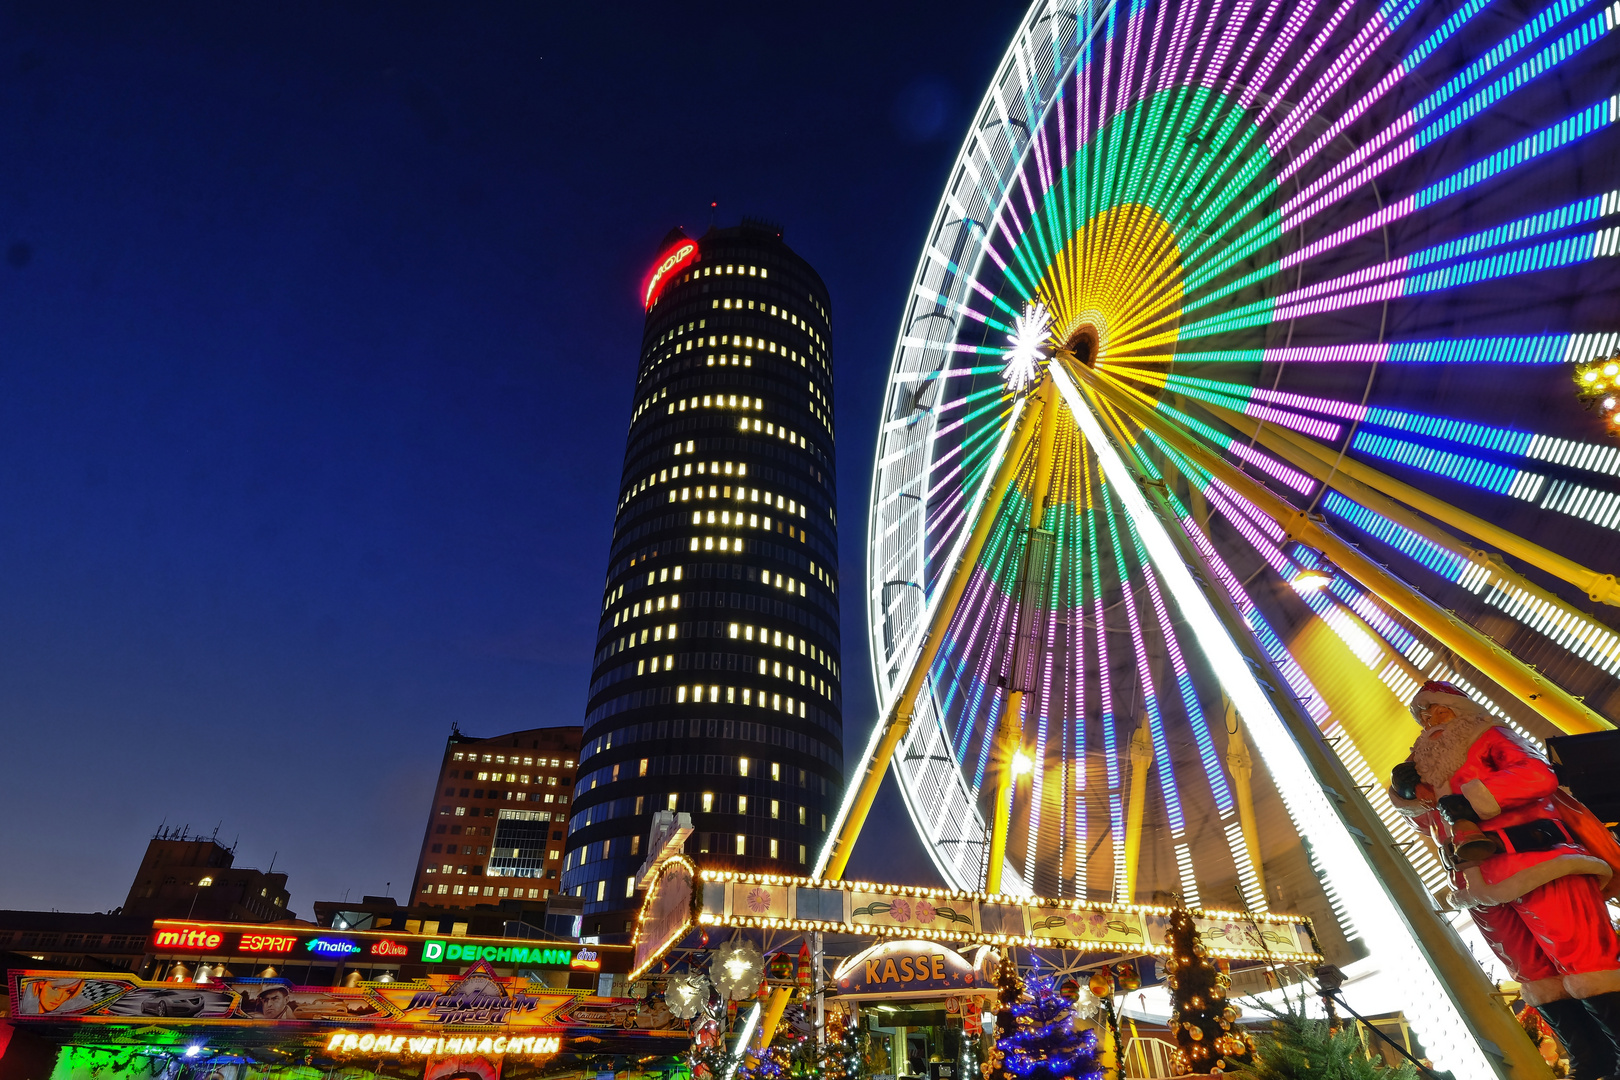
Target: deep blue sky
[[318, 327]]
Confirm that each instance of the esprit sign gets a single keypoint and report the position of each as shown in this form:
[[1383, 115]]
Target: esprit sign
[[673, 259], [266, 943]]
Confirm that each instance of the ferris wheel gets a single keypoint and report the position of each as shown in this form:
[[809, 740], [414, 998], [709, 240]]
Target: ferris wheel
[[1259, 366]]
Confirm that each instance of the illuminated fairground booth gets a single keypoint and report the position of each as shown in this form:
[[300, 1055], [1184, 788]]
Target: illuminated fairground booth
[[783, 975], [253, 1002]]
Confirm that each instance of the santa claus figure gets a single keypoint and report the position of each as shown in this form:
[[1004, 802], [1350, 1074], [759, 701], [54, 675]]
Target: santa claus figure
[[1513, 843]]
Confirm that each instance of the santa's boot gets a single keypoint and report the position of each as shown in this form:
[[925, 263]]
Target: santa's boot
[[1605, 1012], [1591, 1052], [1471, 843]]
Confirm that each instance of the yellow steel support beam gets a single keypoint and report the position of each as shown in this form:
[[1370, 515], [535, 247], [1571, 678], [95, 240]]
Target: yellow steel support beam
[[774, 1008], [1553, 702], [1141, 753], [1489, 1023], [1309, 455], [1317, 460], [1240, 763], [1009, 728], [896, 721]]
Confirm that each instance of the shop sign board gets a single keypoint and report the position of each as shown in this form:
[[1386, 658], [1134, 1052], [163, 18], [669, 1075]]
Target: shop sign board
[[226, 939], [435, 1004], [906, 968]]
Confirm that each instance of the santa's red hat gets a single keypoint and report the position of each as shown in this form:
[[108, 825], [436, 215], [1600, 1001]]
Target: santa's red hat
[[1435, 692]]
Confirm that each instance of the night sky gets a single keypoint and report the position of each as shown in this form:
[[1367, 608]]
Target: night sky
[[318, 331]]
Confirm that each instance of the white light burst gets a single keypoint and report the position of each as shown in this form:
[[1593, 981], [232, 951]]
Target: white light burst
[[1027, 348]]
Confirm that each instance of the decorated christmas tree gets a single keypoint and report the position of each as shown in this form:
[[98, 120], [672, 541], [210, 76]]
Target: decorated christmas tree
[[1009, 992], [1043, 1043], [1299, 1047], [843, 1057], [713, 1062], [1202, 1020]]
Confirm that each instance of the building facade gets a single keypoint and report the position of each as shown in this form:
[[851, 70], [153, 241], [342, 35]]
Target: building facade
[[496, 827], [182, 876], [716, 684]]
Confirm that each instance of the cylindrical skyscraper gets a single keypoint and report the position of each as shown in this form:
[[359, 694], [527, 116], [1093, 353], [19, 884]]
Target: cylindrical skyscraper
[[715, 690]]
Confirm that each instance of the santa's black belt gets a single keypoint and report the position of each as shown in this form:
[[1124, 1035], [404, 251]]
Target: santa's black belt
[[1542, 834]]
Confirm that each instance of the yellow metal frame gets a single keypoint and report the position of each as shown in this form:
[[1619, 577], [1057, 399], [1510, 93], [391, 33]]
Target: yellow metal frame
[[897, 719], [1553, 702], [1319, 462], [1009, 731]]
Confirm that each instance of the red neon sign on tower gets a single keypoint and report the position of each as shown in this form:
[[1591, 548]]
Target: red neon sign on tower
[[672, 260]]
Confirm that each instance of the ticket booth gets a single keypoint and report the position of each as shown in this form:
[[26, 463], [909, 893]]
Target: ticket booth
[[919, 1005]]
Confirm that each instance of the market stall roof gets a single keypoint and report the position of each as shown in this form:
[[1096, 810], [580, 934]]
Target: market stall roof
[[684, 897]]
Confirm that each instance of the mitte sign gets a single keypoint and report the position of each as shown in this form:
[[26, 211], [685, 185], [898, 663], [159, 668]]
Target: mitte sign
[[187, 937], [670, 261]]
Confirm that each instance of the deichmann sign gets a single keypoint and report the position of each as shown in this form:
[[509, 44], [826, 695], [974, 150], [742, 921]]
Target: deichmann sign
[[673, 259], [331, 947], [446, 952], [531, 1046]]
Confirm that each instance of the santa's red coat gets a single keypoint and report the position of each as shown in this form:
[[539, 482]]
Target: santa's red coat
[[1541, 912], [1507, 784]]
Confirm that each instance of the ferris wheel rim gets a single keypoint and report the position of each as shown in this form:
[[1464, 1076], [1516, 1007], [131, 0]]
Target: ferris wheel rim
[[894, 626]]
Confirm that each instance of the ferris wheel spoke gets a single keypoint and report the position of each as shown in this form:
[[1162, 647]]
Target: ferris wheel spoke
[[1551, 701], [1428, 545]]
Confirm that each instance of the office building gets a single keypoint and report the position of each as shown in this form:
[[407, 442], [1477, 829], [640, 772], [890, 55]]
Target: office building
[[183, 876], [716, 689], [496, 826]]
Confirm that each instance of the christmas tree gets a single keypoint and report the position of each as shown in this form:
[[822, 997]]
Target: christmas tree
[[714, 1062], [1301, 1048], [1009, 992], [1203, 1022], [1043, 1043], [843, 1057]]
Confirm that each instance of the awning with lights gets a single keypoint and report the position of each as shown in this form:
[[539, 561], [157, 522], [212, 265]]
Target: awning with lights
[[685, 897]]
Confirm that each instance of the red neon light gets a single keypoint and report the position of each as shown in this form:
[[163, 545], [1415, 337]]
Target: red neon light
[[187, 937], [388, 948], [673, 259], [266, 943]]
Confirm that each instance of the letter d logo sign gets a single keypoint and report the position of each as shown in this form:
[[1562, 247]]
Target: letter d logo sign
[[432, 951]]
